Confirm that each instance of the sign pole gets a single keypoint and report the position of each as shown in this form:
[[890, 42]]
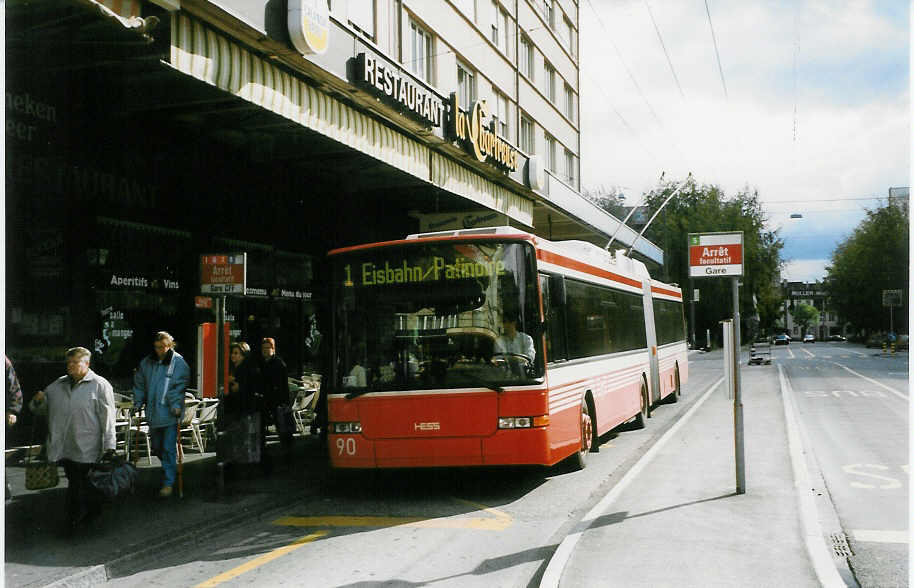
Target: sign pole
[[738, 440], [220, 347], [692, 313]]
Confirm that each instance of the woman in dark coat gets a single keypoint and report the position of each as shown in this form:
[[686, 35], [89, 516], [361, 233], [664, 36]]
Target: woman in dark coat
[[243, 393]]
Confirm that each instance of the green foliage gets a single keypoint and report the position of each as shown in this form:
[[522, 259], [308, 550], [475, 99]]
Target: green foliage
[[804, 315], [874, 258], [706, 209]]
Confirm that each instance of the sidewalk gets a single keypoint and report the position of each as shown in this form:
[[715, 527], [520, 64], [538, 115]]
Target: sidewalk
[[135, 527], [680, 523]]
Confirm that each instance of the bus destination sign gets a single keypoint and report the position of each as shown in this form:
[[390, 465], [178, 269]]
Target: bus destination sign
[[715, 254]]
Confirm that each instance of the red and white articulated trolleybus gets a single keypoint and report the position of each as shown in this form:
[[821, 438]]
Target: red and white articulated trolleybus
[[493, 347]]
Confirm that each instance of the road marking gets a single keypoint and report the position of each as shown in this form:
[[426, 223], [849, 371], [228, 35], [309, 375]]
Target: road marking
[[856, 469], [553, 573], [857, 352], [259, 561], [499, 521], [822, 561], [809, 353], [790, 351], [876, 536], [871, 380]]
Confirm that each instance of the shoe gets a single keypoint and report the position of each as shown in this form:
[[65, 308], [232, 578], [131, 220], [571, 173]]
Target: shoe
[[165, 492]]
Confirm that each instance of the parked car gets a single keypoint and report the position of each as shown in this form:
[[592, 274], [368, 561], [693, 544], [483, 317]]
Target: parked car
[[876, 340], [837, 338], [809, 338], [902, 342], [781, 340]]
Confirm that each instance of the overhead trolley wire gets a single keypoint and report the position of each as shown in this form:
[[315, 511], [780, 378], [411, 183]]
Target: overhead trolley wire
[[663, 45], [720, 68]]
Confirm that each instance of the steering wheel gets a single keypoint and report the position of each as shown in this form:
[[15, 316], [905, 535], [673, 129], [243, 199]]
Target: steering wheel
[[515, 360]]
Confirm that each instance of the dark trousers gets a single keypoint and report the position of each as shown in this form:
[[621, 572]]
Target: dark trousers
[[83, 501]]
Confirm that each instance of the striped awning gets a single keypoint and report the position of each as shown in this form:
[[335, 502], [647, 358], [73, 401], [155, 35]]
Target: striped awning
[[207, 55]]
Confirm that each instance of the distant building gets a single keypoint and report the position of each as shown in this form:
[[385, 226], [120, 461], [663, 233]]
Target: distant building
[[813, 294]]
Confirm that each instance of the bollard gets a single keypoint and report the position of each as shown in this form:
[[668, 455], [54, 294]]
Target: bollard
[[883, 348], [893, 349]]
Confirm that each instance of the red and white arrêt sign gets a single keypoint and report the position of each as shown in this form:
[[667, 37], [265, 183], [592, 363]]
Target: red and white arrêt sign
[[715, 254], [223, 273]]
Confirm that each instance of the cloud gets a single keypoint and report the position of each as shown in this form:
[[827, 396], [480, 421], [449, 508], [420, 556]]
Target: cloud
[[806, 270], [850, 92]]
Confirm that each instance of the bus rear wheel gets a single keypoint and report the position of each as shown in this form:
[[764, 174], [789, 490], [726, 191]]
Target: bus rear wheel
[[641, 418], [580, 458], [673, 398]]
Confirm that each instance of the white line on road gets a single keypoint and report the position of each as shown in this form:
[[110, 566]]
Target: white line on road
[[822, 561], [857, 352], [876, 536], [790, 351], [553, 573], [809, 353], [872, 381]]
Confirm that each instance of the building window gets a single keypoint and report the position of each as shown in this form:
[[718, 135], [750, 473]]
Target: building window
[[526, 57], [549, 82], [466, 86], [526, 135], [499, 27], [550, 154], [362, 17], [500, 114], [569, 102], [467, 7], [568, 35], [569, 167], [420, 58], [549, 12]]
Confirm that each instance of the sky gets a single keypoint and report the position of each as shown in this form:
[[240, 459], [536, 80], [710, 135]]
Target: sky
[[809, 106]]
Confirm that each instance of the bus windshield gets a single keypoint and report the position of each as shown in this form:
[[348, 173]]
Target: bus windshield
[[436, 315]]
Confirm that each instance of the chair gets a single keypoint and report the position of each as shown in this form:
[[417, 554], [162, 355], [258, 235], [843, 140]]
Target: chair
[[304, 409], [206, 419], [138, 429], [186, 425]]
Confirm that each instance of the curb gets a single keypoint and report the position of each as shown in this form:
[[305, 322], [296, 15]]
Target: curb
[[823, 563]]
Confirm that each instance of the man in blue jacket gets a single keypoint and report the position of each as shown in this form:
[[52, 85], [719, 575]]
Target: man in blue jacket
[[159, 384]]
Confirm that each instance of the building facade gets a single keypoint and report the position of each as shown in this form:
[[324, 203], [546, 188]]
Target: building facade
[[142, 135], [813, 294]]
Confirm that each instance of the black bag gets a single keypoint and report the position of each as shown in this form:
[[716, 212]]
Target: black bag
[[240, 441], [285, 424], [113, 477]]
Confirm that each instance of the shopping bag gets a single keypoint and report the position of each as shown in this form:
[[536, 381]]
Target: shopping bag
[[113, 477], [40, 475], [285, 424], [239, 442]]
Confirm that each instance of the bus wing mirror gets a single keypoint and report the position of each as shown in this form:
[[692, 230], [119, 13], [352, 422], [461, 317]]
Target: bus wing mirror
[[557, 290]]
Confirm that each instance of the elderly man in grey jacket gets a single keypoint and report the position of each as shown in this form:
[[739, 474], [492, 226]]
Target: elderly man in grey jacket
[[81, 410]]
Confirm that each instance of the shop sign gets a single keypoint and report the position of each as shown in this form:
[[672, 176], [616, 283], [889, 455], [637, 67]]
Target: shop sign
[[475, 131], [399, 88], [203, 302], [715, 254], [455, 221], [309, 26], [223, 273]]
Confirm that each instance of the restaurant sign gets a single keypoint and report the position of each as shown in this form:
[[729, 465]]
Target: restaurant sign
[[398, 88], [223, 273], [475, 130]]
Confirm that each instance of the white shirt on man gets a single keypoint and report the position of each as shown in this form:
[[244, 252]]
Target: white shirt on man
[[521, 344]]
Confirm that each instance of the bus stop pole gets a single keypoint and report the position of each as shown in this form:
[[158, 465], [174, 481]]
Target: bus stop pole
[[220, 382], [737, 398]]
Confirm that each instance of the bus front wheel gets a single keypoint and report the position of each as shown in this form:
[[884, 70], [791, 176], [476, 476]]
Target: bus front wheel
[[580, 458]]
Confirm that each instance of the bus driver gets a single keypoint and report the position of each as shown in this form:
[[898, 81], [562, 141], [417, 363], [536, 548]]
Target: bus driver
[[513, 341]]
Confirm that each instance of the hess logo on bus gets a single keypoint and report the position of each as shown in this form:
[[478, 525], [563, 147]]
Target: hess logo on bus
[[426, 426]]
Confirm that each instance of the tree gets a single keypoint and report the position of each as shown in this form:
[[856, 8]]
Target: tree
[[705, 209], [804, 315], [874, 258]]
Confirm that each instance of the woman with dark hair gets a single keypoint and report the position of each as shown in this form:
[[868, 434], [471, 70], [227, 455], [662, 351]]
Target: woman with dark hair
[[243, 389]]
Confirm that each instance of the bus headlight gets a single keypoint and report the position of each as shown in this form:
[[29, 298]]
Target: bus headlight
[[355, 427], [524, 422]]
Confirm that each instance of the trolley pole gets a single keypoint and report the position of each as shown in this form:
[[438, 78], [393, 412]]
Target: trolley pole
[[738, 439]]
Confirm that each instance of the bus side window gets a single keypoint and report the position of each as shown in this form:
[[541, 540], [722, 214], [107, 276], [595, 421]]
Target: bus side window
[[555, 324]]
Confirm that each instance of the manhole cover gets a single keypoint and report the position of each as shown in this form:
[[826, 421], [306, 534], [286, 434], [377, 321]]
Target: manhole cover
[[839, 546]]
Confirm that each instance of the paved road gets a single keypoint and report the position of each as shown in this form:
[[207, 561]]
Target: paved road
[[853, 403], [451, 528]]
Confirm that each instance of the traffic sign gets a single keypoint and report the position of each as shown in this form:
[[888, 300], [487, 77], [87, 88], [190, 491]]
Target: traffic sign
[[223, 273], [891, 298], [715, 254]]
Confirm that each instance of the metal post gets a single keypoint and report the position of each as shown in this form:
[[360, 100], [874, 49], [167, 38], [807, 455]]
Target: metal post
[[692, 314], [739, 444], [220, 386]]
